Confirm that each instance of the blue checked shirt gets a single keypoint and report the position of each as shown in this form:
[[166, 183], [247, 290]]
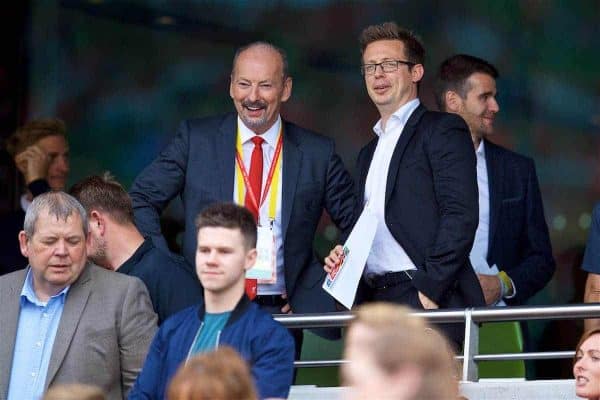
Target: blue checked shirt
[[38, 323]]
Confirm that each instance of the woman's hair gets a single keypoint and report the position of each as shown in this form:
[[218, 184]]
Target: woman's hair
[[218, 375], [400, 339], [585, 336]]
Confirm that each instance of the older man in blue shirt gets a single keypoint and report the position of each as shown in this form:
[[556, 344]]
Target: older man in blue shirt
[[63, 320]]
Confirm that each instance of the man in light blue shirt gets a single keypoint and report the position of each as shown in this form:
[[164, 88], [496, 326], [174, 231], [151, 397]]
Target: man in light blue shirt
[[36, 331], [63, 320]]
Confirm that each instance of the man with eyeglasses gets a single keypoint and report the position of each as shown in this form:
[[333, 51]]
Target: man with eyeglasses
[[418, 178]]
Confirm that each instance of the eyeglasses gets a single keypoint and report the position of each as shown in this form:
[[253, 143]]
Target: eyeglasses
[[386, 66]]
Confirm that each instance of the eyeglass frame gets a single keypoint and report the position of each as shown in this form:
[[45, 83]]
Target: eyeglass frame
[[397, 62]]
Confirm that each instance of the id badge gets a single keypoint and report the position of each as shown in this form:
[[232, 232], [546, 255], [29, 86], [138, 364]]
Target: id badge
[[265, 267]]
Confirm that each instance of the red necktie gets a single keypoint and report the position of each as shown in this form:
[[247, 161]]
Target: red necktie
[[255, 177]]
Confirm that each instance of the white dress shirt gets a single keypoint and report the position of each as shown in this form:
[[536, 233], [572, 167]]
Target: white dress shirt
[[479, 252], [386, 255], [271, 136]]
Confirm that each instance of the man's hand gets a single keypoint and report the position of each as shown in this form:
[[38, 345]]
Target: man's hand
[[334, 259], [427, 303], [286, 309], [592, 295], [33, 163], [491, 287]]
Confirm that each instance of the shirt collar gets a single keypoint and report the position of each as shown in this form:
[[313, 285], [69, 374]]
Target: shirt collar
[[25, 202], [402, 114], [270, 135], [481, 149], [28, 293]]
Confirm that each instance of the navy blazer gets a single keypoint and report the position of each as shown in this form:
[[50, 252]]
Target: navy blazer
[[199, 166], [431, 204], [518, 235]]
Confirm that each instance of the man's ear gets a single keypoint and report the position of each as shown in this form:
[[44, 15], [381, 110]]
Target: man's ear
[[24, 244], [287, 89], [250, 259], [453, 101], [97, 222], [417, 71]]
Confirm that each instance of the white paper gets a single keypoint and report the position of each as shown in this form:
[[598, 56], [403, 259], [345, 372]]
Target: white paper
[[480, 266], [264, 268], [345, 280]]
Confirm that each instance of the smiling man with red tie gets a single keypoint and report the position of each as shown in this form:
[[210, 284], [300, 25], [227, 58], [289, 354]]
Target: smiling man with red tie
[[217, 159]]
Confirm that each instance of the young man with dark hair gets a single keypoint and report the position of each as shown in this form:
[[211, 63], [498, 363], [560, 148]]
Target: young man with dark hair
[[116, 244], [226, 250], [511, 252]]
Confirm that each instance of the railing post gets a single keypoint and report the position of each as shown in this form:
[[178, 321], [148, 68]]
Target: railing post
[[471, 348]]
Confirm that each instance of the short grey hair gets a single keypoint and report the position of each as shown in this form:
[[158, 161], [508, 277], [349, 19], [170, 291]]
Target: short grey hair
[[59, 204]]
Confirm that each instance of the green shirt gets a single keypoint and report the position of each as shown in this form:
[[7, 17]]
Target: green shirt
[[207, 337]]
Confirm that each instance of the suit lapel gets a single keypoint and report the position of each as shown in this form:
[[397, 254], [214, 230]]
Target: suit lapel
[[10, 300], [225, 154], [292, 162], [407, 133], [363, 168], [493, 162], [75, 302]]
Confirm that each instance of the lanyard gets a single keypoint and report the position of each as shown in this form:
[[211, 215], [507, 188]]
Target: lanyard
[[243, 180]]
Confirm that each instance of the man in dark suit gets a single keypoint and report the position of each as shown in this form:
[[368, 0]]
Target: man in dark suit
[[418, 178], [202, 165], [511, 253], [63, 320]]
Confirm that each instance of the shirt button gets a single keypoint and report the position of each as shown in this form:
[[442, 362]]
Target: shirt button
[[45, 315], [33, 374], [39, 344]]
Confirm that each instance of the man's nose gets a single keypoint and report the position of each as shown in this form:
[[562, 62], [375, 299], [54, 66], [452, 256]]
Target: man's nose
[[61, 248]]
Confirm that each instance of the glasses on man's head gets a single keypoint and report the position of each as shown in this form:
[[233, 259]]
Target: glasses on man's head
[[386, 66]]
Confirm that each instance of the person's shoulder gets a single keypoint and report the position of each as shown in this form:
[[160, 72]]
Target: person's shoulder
[[181, 321], [437, 118], [508, 154], [103, 279], [305, 136], [160, 263], [15, 277], [208, 125]]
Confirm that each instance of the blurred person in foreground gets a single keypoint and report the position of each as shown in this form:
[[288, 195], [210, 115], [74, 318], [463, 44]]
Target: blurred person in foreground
[[74, 391], [64, 320], [116, 244], [586, 366], [219, 375], [226, 250], [393, 355], [41, 154]]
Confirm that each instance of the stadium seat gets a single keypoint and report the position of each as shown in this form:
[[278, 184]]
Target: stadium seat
[[501, 337], [316, 348]]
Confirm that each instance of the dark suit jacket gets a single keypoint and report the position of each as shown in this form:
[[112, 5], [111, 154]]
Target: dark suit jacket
[[103, 336], [199, 166], [518, 236], [431, 204]]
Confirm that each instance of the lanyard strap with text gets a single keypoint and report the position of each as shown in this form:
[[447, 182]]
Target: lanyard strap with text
[[243, 179]]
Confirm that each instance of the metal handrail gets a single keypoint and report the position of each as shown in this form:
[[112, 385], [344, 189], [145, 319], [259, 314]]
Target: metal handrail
[[473, 316]]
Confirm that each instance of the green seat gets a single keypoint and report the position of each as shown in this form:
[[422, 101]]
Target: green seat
[[501, 337], [316, 348]]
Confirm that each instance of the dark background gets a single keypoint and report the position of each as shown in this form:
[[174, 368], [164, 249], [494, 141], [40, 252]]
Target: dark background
[[122, 74]]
